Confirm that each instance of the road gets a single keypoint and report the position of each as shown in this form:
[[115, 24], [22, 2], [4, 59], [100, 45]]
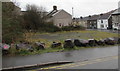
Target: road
[[110, 62], [75, 55]]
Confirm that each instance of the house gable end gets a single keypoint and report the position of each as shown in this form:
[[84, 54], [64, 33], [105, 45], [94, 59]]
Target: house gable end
[[62, 14]]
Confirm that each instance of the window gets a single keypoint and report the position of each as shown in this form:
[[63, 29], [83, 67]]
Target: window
[[102, 26], [101, 21], [116, 24], [60, 24], [90, 25]]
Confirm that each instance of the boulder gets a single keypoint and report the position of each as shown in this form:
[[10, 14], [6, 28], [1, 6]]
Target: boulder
[[77, 43], [25, 46], [68, 43], [56, 45], [84, 42], [39, 45], [101, 42], [118, 40], [92, 42], [109, 41]]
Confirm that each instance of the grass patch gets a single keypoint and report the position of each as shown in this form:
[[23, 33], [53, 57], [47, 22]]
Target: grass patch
[[48, 39]]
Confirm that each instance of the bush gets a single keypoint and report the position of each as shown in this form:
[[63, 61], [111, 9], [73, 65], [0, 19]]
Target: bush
[[49, 27]]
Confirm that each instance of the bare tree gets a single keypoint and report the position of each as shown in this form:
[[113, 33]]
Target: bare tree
[[34, 17]]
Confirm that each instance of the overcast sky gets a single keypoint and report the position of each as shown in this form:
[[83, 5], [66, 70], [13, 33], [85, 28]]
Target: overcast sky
[[81, 7]]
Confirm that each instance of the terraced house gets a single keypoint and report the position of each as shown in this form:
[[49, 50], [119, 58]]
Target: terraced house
[[116, 19], [100, 21], [82, 21], [105, 20], [92, 22]]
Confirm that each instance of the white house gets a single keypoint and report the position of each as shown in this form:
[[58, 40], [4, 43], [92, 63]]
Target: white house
[[116, 19], [102, 22], [105, 20], [59, 18]]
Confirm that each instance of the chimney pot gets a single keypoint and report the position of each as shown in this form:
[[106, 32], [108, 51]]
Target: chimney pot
[[54, 7]]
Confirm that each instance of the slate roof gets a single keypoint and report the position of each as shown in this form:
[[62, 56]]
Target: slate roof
[[51, 13], [106, 15], [117, 11], [84, 19], [54, 12], [94, 17], [99, 16]]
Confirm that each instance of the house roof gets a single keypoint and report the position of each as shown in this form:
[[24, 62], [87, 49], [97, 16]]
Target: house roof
[[54, 12], [50, 14], [106, 15], [94, 17], [117, 11], [84, 19]]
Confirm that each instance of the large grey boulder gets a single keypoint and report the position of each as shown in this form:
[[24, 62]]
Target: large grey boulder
[[68, 43], [77, 43], [56, 45], [25, 46], [101, 42], [84, 42], [109, 41], [118, 40], [39, 45], [92, 42]]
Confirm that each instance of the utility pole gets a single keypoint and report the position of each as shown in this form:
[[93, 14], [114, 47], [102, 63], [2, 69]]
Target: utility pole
[[72, 12], [119, 4]]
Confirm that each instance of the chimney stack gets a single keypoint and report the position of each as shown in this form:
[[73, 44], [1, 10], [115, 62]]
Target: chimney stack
[[81, 17], [101, 14], [54, 7]]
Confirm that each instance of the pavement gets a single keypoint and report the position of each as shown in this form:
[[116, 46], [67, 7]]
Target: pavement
[[109, 62]]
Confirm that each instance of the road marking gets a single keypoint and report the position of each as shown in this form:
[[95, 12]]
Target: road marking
[[79, 63]]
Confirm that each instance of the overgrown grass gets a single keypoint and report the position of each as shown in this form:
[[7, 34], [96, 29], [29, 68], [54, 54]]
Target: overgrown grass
[[48, 39]]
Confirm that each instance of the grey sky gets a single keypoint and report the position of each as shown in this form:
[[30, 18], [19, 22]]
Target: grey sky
[[81, 7]]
